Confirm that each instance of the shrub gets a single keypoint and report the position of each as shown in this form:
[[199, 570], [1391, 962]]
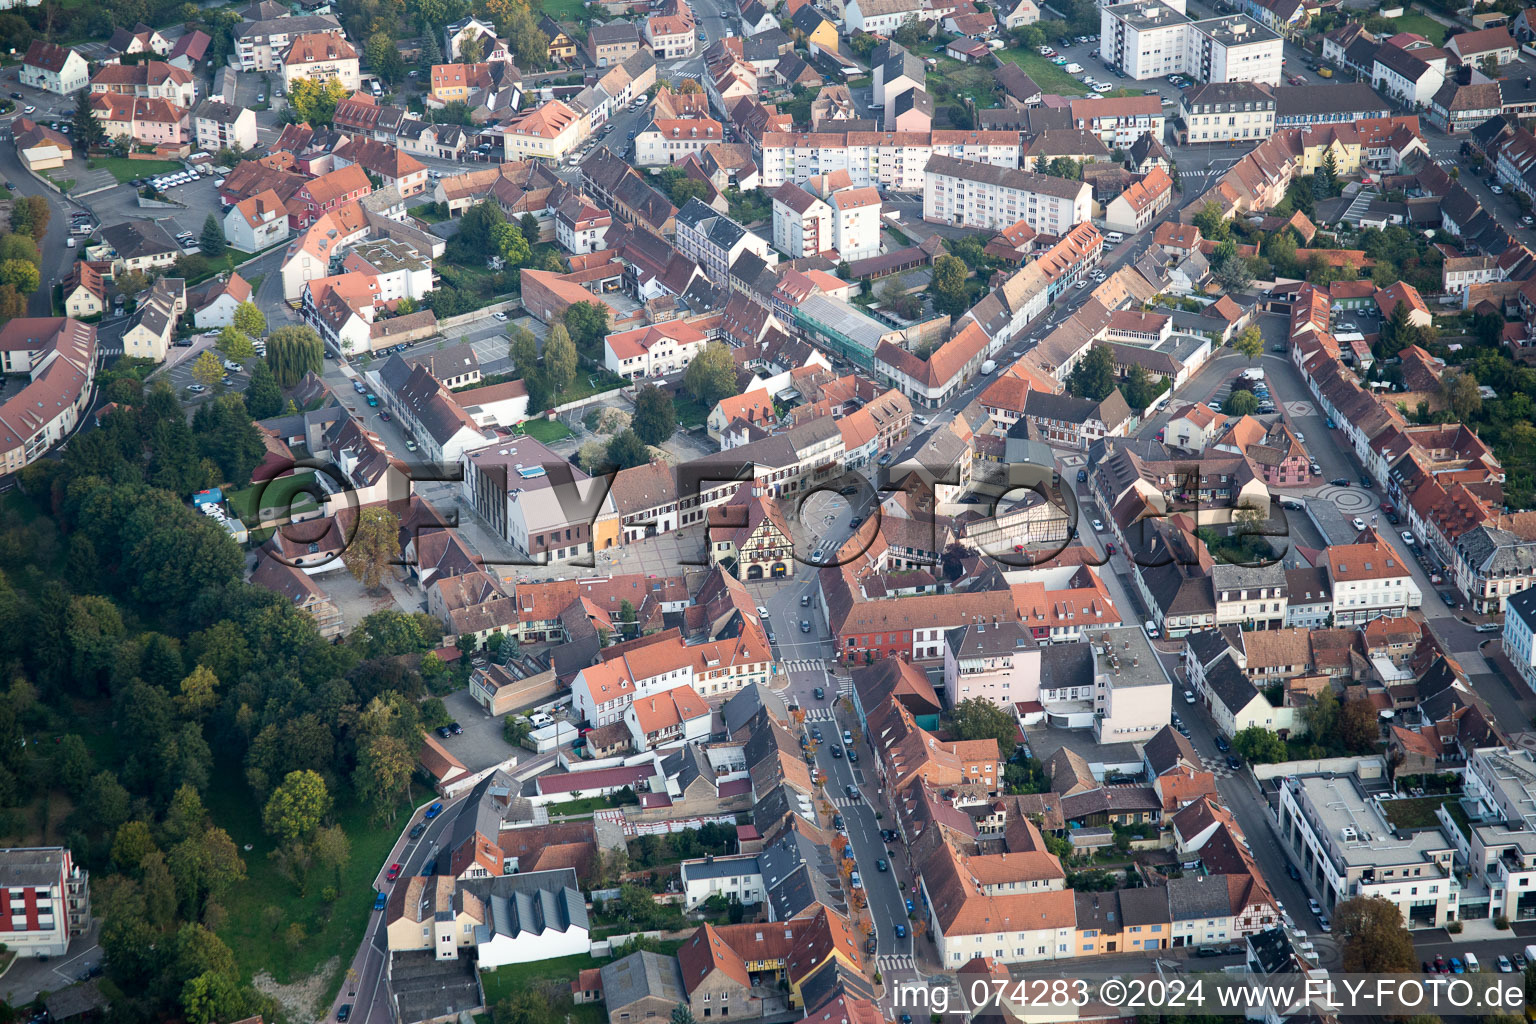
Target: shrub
[[1454, 927], [1501, 922]]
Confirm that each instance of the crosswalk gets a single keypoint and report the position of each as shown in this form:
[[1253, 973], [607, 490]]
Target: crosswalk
[[818, 715], [894, 962], [845, 802], [803, 665], [1446, 162]]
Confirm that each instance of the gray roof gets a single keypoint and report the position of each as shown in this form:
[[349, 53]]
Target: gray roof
[[290, 27], [977, 640], [1523, 604], [641, 975], [613, 32], [1004, 177], [1206, 645], [1334, 98], [533, 902], [1165, 750], [1497, 552], [797, 872], [721, 867], [448, 362], [1066, 665], [136, 238], [1227, 576], [742, 706], [1228, 684], [899, 61], [1212, 93], [1197, 896]]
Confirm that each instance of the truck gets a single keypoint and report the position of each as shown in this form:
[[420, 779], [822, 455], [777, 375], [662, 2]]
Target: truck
[[212, 496], [989, 366]]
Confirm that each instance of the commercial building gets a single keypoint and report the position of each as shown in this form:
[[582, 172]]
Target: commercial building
[[1227, 112], [512, 487], [1347, 848]]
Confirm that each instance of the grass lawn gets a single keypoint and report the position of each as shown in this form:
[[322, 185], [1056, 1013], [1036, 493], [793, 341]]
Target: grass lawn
[[588, 383], [1419, 812], [276, 497], [504, 981], [1047, 76], [690, 414], [124, 169], [260, 909], [546, 431], [428, 213], [65, 184], [1423, 24], [586, 804], [561, 10]]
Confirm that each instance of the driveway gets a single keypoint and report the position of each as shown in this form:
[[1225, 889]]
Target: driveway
[[480, 745], [29, 977]]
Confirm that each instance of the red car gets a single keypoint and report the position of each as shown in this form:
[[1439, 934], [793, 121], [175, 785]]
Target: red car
[[1386, 506], [393, 873]]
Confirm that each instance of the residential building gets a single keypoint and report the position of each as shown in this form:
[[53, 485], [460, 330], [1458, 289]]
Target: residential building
[[1368, 579], [991, 661], [514, 488], [1155, 39], [612, 44], [84, 292], [58, 355], [49, 900], [151, 79], [1519, 630], [715, 241], [802, 223], [329, 192], [1409, 77], [895, 160], [967, 193], [654, 351], [140, 245], [261, 45], [255, 223], [670, 29], [1297, 106], [1134, 209], [1485, 49], [217, 126], [1120, 122], [215, 308], [150, 334], [548, 132], [749, 537], [149, 122], [1227, 112], [54, 68], [665, 141]]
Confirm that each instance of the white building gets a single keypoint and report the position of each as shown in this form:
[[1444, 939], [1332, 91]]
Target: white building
[[402, 272], [1345, 845], [881, 17], [1369, 580], [667, 140], [1227, 112], [965, 193], [1519, 627], [217, 125], [856, 222], [49, 900], [260, 45], [802, 223], [1407, 77], [668, 719], [322, 57], [740, 878], [895, 160], [654, 350], [257, 222], [1154, 38], [52, 68]]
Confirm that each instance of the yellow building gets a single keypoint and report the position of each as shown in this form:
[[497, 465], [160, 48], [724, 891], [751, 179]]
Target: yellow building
[[561, 45]]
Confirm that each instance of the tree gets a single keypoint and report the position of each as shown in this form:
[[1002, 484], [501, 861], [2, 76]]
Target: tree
[[1375, 941], [1359, 727], [1138, 389], [625, 449], [315, 102], [1249, 342], [977, 718], [292, 352], [199, 693], [528, 224], [711, 376], [375, 546], [559, 357], [234, 344], [1241, 403], [680, 1013], [1323, 715], [131, 283], [1461, 393], [207, 370], [588, 324], [1258, 745], [951, 295], [249, 320], [592, 456], [263, 397], [471, 50], [297, 807], [1093, 377], [1231, 270], [88, 132], [21, 275], [1212, 224], [30, 215], [1065, 167], [23, 247], [655, 419], [522, 348], [1397, 331], [211, 241], [384, 57]]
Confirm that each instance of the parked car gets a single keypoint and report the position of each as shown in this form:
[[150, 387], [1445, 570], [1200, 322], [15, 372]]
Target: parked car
[[393, 872], [1222, 744], [417, 829], [433, 811], [343, 1013], [379, 900]]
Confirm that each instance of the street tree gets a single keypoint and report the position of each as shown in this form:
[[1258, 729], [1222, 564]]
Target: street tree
[[1249, 342], [375, 546], [207, 369], [1258, 745], [294, 351], [234, 343], [1375, 941], [1241, 402]]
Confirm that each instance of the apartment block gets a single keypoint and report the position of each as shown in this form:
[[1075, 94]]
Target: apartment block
[[966, 193]]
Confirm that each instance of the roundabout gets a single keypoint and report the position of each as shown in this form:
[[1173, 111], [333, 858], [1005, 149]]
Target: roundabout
[[1350, 500]]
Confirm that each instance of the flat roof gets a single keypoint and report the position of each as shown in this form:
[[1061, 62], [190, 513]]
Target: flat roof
[[1145, 14], [1124, 655], [1337, 804], [1235, 29]]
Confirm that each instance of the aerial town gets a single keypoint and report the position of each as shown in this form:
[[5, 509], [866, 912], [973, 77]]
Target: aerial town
[[598, 510]]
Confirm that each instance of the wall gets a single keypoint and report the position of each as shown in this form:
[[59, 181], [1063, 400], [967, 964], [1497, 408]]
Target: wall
[[1363, 767]]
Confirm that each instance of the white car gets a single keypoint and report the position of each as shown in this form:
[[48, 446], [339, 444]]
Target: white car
[[1098, 526], [1075, 69], [1408, 539], [1300, 437], [1358, 523], [1189, 696], [762, 611], [1103, 87], [499, 316]]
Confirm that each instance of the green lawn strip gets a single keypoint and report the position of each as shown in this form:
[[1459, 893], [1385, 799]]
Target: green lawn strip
[[505, 981], [690, 414], [561, 9], [585, 804], [124, 169], [275, 496], [1423, 24], [546, 431], [1418, 812], [1049, 77], [331, 930]]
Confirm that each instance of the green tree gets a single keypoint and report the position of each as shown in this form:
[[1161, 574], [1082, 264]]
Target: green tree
[[1065, 167], [1461, 392], [1322, 715], [682, 1015], [528, 224], [234, 344], [21, 275], [1359, 726], [711, 376], [1093, 377], [625, 449], [559, 357], [211, 241], [263, 397], [315, 102], [1212, 224], [951, 294], [522, 348], [1258, 745], [977, 718], [375, 546], [207, 369], [131, 283], [249, 320], [655, 418], [1240, 403], [588, 324], [88, 132], [297, 807], [1374, 938], [292, 352], [23, 247], [383, 776], [384, 57], [1249, 342], [1397, 331]]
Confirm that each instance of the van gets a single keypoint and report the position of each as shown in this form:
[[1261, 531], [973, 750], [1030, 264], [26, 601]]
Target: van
[[1114, 238], [1472, 965], [70, 242]]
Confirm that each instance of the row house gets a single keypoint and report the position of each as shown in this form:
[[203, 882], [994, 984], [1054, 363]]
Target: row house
[[152, 79]]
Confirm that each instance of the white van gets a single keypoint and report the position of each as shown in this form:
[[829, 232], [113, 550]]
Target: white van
[[1074, 69], [1472, 965], [1114, 238]]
